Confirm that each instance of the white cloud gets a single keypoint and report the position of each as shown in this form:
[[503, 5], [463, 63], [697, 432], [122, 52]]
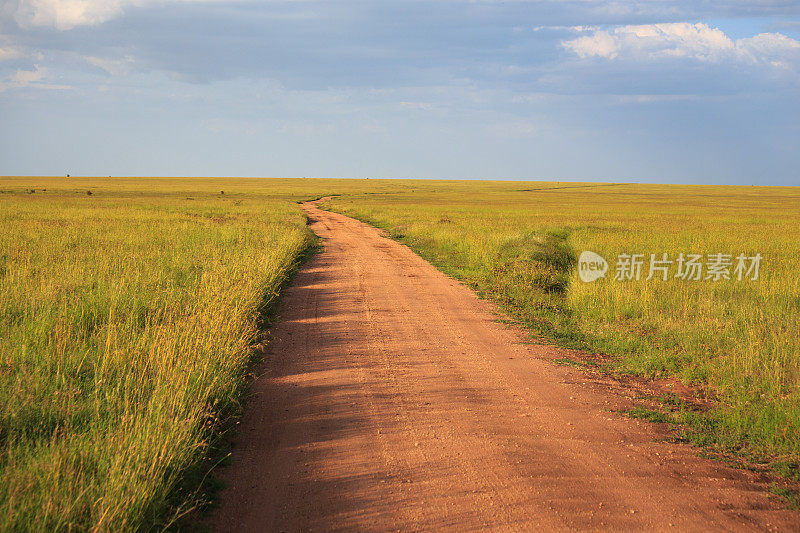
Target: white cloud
[[65, 14], [776, 48], [114, 67], [8, 52], [423, 106], [563, 28], [698, 42], [68, 14], [29, 78]]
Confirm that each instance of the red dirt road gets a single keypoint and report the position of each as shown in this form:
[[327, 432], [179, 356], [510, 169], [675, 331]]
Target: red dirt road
[[391, 399]]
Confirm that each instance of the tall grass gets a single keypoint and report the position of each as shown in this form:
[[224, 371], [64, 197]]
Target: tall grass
[[737, 341], [127, 315], [126, 323]]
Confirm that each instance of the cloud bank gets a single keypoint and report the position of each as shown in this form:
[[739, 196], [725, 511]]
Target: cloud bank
[[699, 42]]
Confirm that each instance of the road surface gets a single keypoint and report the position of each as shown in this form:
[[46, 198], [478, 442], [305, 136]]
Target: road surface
[[391, 398]]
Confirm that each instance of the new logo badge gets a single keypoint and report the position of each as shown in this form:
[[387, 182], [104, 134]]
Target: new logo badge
[[591, 266]]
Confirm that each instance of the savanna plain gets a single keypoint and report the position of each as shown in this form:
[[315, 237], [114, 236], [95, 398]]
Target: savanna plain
[[132, 309]]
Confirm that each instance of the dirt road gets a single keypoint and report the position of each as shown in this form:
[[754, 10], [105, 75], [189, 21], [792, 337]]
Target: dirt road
[[391, 399]]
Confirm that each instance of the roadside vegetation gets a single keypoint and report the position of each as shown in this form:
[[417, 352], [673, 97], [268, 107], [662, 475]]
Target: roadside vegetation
[[736, 342], [128, 312]]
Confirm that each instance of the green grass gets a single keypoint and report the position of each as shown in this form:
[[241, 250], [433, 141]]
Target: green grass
[[126, 323], [128, 315], [788, 495], [735, 341], [651, 415]]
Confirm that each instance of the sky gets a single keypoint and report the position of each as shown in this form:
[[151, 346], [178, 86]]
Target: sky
[[667, 91]]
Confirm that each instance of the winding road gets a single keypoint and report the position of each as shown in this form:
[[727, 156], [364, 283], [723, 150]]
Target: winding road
[[392, 399]]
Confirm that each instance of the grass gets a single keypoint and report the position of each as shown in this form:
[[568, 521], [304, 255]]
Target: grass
[[650, 415], [128, 315], [789, 496], [737, 342], [127, 318]]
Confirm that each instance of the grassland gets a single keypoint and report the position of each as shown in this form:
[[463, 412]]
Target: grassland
[[128, 312], [737, 342], [128, 316]]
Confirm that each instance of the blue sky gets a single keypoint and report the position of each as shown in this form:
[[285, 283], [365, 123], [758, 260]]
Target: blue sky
[[650, 91]]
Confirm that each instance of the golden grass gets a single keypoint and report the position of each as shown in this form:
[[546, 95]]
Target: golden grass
[[126, 320], [739, 340], [127, 316]]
